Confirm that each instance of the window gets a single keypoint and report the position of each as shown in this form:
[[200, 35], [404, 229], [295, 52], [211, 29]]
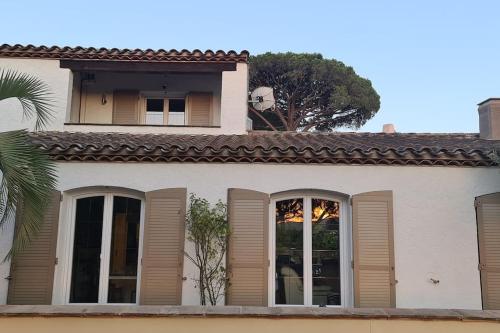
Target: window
[[105, 249], [154, 111], [87, 250], [176, 111], [311, 251], [165, 111]]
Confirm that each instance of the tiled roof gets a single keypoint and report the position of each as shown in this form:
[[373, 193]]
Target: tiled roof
[[269, 147], [91, 53]]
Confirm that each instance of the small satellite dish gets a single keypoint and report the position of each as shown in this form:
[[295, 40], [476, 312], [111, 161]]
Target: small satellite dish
[[262, 98]]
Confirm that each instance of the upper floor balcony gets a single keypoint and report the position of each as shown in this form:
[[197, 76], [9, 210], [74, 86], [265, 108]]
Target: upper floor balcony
[[151, 99]]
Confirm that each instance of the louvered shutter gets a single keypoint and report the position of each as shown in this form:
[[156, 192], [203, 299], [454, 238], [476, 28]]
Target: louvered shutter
[[200, 106], [32, 270], [488, 227], [163, 247], [372, 224], [247, 260], [126, 107]]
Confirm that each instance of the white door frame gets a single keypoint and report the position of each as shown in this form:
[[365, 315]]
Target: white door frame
[[345, 239], [65, 243]]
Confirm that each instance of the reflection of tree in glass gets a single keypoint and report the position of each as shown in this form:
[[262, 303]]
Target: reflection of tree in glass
[[325, 229], [289, 229], [291, 210], [324, 209], [287, 239], [325, 240]]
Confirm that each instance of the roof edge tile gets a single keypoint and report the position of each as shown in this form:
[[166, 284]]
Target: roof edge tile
[[332, 148], [92, 53]]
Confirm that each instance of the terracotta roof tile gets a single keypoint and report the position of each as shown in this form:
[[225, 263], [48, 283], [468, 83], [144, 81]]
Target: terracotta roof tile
[[91, 53], [284, 147]]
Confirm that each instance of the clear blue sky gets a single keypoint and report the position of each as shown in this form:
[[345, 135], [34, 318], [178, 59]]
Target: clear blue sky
[[430, 61]]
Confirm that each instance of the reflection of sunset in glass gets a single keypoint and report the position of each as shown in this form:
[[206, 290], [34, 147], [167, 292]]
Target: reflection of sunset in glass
[[297, 217], [292, 211], [289, 211], [324, 209]]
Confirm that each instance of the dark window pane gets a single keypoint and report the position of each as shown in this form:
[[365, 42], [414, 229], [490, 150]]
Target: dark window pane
[[154, 104], [325, 252], [289, 252], [124, 250], [87, 250], [176, 105]]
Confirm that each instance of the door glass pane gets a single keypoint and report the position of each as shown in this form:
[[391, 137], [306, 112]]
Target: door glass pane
[[124, 250], [176, 109], [289, 251], [87, 250], [154, 104], [154, 111], [325, 252], [176, 105]]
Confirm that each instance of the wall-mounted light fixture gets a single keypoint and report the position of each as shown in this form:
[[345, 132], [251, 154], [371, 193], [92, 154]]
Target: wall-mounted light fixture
[[435, 281], [103, 99]]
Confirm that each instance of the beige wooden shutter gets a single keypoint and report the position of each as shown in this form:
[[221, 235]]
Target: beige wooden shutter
[[373, 238], [163, 249], [488, 232], [32, 270], [247, 258], [126, 107], [200, 109]]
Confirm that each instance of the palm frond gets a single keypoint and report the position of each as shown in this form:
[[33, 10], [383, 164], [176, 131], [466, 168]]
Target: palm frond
[[28, 179], [495, 156], [32, 93]]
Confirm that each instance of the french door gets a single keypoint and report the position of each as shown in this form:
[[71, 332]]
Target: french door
[[106, 249], [308, 251]]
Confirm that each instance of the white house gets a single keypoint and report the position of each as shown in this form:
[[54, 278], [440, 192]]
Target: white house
[[344, 220]]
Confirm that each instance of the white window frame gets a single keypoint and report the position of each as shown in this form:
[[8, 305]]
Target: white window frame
[[66, 234], [345, 239], [186, 108], [165, 108], [145, 95]]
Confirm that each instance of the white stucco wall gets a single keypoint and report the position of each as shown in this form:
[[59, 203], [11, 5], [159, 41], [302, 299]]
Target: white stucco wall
[[233, 98], [58, 81], [434, 216]]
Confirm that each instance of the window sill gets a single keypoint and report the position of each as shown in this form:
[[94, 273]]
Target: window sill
[[246, 312]]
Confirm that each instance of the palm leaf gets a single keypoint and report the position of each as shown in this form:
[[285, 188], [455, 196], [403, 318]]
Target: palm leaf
[[32, 93], [29, 177]]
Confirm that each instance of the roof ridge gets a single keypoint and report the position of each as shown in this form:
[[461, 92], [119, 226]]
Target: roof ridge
[[281, 133], [256, 132], [112, 53]]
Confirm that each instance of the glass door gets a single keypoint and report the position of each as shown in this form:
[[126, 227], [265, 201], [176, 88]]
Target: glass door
[[124, 253], [289, 258], [325, 252], [307, 252], [86, 266], [105, 250]]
